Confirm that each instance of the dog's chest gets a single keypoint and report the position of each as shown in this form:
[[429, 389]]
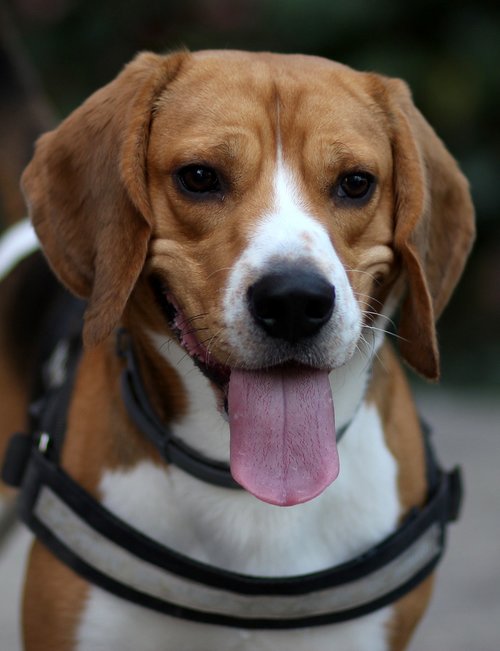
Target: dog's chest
[[235, 531]]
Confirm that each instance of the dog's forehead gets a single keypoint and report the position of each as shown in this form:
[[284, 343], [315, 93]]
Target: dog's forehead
[[297, 93]]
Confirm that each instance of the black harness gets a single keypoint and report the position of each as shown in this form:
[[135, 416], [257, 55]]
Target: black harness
[[108, 552]]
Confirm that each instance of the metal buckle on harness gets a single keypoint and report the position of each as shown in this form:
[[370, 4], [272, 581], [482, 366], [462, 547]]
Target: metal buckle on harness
[[44, 442]]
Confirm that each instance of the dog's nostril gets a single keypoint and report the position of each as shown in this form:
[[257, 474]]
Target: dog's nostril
[[317, 307], [291, 304], [265, 308]]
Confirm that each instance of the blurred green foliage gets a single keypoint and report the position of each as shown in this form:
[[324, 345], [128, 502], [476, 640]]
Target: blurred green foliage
[[447, 51]]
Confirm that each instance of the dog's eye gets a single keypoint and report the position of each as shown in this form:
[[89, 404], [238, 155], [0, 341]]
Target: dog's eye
[[357, 185], [199, 179]]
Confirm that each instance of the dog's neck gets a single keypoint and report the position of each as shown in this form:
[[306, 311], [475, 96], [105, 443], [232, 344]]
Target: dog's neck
[[205, 428]]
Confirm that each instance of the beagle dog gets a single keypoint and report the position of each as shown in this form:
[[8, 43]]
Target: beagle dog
[[241, 231]]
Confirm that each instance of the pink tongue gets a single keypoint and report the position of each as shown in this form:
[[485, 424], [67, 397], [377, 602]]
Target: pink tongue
[[283, 446]]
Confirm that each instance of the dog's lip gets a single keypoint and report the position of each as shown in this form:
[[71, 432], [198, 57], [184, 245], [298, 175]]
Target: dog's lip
[[185, 333]]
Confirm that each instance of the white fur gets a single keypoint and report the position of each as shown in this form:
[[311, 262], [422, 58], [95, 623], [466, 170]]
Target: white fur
[[233, 530], [349, 382], [214, 440]]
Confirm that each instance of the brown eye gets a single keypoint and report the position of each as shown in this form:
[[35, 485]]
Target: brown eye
[[199, 179], [357, 185]]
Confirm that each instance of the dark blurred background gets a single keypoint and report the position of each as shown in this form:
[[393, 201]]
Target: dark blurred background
[[53, 53]]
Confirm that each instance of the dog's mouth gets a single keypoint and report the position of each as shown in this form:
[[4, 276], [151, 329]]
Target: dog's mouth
[[281, 420]]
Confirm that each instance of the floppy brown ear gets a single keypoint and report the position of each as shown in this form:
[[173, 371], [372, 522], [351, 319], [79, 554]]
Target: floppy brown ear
[[87, 194], [434, 227]]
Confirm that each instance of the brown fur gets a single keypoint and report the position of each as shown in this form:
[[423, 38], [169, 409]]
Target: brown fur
[[53, 599], [402, 430], [111, 216]]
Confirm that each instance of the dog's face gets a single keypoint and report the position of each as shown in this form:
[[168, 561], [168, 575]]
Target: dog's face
[[277, 205], [273, 193]]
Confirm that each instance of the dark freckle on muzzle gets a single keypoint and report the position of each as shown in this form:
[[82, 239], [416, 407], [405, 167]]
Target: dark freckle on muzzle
[[291, 303]]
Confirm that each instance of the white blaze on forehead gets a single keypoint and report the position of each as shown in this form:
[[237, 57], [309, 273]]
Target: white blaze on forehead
[[289, 234]]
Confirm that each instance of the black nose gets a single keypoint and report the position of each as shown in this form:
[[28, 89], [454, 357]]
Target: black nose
[[291, 304]]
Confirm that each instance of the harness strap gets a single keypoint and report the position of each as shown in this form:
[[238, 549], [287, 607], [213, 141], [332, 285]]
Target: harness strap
[[105, 550], [171, 448]]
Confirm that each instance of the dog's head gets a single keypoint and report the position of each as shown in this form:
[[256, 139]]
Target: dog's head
[[277, 206]]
